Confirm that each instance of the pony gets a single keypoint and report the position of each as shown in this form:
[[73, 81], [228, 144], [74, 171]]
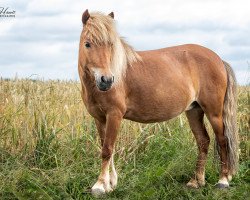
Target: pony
[[118, 83]]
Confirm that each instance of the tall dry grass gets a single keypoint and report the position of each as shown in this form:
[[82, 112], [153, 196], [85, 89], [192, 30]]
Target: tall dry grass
[[48, 138]]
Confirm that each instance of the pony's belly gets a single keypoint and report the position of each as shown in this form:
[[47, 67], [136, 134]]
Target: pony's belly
[[144, 115], [145, 120], [157, 105]]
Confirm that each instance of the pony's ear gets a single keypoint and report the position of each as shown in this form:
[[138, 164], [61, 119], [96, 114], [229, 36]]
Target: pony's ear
[[85, 16], [112, 15]]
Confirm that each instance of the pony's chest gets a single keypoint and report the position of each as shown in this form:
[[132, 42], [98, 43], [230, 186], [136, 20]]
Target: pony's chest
[[93, 106], [94, 109]]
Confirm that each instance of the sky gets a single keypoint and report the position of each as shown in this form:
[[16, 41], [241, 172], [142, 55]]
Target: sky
[[42, 40]]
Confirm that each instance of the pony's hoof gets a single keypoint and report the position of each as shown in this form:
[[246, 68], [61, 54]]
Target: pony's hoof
[[113, 182], [222, 185], [97, 192], [193, 184], [113, 185]]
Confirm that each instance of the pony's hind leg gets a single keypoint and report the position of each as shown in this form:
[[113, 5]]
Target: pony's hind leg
[[218, 127], [195, 118]]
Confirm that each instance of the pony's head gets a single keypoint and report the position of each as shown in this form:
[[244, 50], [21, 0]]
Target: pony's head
[[102, 51]]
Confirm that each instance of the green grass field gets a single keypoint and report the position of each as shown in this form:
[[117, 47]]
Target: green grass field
[[49, 149]]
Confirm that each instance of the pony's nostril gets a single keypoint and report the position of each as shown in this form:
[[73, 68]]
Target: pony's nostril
[[107, 80], [103, 79]]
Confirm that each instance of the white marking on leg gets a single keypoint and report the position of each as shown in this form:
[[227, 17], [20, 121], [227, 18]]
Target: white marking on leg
[[113, 174], [193, 183], [223, 181], [98, 189], [229, 177], [201, 179], [103, 183]]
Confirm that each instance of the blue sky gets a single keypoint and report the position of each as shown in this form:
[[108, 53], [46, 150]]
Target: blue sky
[[42, 41]]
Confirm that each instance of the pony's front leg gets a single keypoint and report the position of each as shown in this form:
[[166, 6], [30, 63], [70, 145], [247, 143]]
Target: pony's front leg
[[103, 185], [113, 174]]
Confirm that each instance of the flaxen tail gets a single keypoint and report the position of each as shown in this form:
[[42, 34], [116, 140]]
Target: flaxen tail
[[230, 121]]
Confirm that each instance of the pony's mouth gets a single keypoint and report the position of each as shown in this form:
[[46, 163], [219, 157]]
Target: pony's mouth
[[103, 87]]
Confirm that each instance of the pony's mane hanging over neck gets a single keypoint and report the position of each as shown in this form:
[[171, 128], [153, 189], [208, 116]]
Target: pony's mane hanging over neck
[[100, 29]]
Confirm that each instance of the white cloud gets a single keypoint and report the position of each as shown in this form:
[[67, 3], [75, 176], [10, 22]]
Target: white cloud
[[43, 38]]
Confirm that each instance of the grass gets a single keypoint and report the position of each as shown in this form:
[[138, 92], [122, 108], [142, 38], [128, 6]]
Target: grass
[[49, 149]]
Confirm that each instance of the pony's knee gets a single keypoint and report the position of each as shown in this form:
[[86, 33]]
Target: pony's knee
[[106, 152]]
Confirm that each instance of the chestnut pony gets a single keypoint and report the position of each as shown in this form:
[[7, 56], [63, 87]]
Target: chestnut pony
[[153, 86]]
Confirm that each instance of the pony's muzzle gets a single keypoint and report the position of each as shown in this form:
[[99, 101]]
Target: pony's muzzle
[[105, 83]]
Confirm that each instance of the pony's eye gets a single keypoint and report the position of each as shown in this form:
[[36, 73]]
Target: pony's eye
[[87, 45]]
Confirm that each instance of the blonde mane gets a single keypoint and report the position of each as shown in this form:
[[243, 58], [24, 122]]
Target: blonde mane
[[100, 29]]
